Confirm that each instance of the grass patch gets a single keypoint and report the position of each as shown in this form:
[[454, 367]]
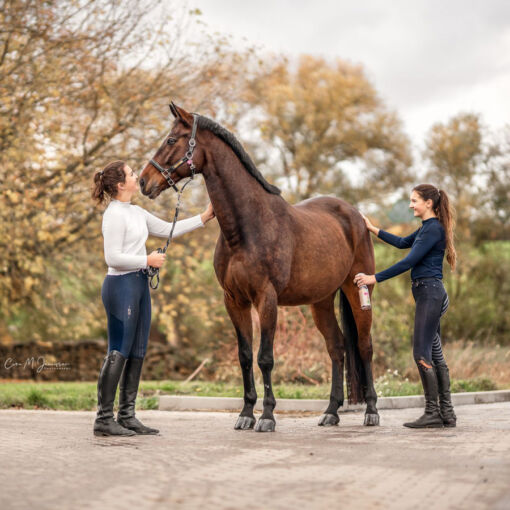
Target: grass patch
[[73, 396]]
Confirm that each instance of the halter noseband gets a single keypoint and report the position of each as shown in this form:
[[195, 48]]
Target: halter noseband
[[187, 158]]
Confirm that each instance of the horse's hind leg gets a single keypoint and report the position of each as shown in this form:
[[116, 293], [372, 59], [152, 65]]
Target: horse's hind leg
[[324, 317], [241, 319], [363, 320]]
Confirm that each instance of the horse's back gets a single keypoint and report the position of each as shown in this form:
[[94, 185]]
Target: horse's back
[[323, 212]]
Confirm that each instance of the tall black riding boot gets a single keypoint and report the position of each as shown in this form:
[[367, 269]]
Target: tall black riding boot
[[127, 397], [109, 377], [445, 400], [431, 418]]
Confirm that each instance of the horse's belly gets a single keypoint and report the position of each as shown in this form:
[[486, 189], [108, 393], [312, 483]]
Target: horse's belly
[[309, 290], [317, 270]]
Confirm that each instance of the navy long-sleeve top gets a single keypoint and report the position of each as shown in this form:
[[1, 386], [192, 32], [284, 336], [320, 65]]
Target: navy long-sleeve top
[[427, 245]]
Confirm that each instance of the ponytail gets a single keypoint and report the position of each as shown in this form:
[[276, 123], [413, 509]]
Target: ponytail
[[445, 213], [105, 181]]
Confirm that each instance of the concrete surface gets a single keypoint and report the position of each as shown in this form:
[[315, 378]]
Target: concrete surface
[[189, 403], [51, 460]]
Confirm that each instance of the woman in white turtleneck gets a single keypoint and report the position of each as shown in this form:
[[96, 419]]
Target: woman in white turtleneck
[[126, 295]]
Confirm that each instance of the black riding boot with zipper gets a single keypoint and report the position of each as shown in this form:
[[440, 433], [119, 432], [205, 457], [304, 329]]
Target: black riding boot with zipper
[[127, 397], [445, 399], [107, 384], [431, 418]]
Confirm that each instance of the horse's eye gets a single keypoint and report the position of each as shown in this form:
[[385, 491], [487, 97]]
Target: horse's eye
[[171, 141]]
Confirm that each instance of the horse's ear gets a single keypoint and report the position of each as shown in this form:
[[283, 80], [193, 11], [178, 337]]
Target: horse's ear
[[181, 114], [173, 110]]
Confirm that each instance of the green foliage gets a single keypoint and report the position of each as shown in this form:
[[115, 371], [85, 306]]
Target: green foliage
[[64, 396], [147, 403], [83, 395], [479, 293], [36, 398], [476, 384]]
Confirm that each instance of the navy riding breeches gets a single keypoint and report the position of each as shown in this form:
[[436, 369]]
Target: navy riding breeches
[[127, 302], [431, 304]]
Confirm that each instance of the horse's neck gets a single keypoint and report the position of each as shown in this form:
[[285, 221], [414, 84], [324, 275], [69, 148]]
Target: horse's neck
[[240, 203]]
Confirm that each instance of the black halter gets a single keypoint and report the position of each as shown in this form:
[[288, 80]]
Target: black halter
[[153, 272], [187, 158]]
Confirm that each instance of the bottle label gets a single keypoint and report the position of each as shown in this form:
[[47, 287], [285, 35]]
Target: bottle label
[[364, 297]]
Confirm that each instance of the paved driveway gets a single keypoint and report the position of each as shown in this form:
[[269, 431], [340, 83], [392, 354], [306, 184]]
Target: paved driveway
[[51, 460]]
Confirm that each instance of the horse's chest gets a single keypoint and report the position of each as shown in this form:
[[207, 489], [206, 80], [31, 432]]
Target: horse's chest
[[248, 269]]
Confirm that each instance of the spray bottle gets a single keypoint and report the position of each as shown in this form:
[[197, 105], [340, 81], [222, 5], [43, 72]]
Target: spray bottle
[[364, 296]]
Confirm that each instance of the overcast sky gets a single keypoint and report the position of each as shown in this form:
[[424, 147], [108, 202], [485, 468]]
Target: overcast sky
[[428, 59]]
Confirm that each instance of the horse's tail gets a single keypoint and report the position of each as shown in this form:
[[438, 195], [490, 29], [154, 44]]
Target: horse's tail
[[356, 377]]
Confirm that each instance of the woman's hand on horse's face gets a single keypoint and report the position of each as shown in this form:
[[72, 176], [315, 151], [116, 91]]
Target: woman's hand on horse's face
[[364, 279], [156, 259], [208, 214]]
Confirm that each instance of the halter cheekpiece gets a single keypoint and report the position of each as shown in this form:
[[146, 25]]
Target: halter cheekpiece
[[187, 158]]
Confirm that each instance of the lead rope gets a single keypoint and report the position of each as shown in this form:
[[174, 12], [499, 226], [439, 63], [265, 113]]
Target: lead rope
[[153, 272]]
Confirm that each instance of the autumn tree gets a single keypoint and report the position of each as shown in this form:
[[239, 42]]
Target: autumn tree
[[82, 83], [455, 153], [494, 222], [322, 122]]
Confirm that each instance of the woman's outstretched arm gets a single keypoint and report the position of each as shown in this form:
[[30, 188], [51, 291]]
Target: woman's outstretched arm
[[160, 228], [397, 241]]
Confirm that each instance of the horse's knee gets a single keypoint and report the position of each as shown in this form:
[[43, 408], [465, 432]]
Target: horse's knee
[[246, 363], [265, 362], [265, 358]]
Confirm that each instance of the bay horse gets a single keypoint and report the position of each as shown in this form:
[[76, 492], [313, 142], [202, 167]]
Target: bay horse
[[269, 254]]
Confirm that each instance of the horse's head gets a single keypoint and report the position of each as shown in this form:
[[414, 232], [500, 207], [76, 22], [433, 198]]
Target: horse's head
[[178, 156]]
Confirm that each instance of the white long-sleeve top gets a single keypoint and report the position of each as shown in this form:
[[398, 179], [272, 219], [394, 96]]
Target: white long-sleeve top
[[126, 228]]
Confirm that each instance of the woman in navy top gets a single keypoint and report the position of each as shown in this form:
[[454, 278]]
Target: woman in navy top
[[428, 245]]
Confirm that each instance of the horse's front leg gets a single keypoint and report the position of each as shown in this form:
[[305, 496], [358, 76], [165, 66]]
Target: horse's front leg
[[241, 319], [267, 307]]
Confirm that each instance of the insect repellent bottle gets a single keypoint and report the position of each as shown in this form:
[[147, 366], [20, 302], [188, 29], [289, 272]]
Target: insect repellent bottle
[[364, 296]]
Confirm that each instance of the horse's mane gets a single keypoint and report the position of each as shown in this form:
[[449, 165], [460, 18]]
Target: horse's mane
[[235, 145]]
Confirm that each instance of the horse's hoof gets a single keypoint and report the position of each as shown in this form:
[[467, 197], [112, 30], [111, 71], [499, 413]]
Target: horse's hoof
[[328, 420], [244, 423], [265, 425], [371, 420]]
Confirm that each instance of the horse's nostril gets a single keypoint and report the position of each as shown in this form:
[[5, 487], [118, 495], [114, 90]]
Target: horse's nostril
[[142, 182]]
